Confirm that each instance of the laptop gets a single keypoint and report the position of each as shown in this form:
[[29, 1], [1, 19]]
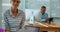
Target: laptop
[[33, 28], [50, 20]]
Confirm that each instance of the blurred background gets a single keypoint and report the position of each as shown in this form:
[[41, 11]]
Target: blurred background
[[52, 8], [0, 13]]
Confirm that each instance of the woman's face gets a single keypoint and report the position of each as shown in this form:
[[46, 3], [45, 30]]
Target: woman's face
[[15, 3]]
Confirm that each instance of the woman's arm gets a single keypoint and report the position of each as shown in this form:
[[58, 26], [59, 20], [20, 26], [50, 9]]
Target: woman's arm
[[7, 28]]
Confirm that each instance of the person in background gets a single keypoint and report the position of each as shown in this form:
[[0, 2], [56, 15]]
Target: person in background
[[44, 16], [13, 17]]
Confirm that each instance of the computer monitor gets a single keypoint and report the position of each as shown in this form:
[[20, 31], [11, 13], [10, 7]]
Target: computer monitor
[[50, 20], [33, 28]]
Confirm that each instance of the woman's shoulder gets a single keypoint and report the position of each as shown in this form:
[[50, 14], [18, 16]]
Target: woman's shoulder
[[21, 11], [6, 12]]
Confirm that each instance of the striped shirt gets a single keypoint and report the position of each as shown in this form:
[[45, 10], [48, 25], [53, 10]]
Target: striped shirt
[[13, 23]]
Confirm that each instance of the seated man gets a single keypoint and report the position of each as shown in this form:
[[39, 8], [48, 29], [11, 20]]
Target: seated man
[[42, 16]]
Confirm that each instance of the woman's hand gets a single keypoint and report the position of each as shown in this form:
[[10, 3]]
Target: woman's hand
[[7, 30]]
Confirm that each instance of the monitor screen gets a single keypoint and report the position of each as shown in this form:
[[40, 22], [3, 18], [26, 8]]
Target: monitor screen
[[33, 28]]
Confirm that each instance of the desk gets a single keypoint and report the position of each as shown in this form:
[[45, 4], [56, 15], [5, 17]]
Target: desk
[[46, 26]]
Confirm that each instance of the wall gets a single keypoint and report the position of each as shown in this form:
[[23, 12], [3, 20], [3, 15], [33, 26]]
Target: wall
[[0, 14]]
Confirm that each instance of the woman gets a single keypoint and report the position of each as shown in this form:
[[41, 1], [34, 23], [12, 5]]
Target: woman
[[14, 17]]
